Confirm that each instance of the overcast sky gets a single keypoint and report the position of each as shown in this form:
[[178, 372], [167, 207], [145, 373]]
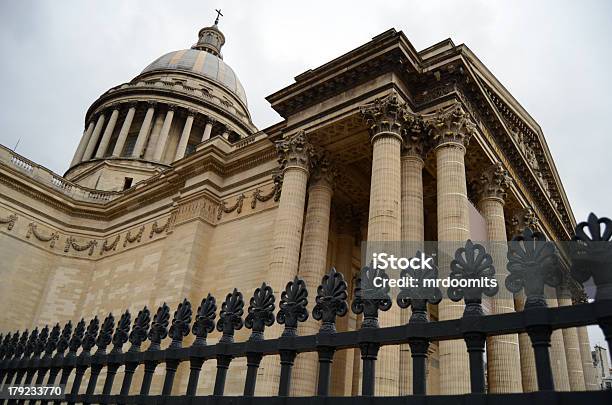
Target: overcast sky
[[553, 56]]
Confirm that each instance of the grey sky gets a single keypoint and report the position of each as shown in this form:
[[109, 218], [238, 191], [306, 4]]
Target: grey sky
[[553, 56]]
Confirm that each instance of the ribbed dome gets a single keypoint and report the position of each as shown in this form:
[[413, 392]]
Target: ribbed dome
[[200, 63]]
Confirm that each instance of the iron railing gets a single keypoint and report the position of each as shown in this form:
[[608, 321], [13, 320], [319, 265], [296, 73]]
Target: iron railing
[[41, 356]]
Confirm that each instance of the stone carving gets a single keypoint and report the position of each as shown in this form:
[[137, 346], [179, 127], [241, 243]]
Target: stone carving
[[294, 151], [386, 115], [33, 230], [416, 137], [523, 219], [106, 247], [450, 125], [322, 168], [71, 243], [223, 208], [155, 229], [493, 183], [274, 192], [10, 221], [136, 238]]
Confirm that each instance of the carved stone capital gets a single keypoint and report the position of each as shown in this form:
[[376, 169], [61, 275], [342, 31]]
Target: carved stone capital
[[415, 136], [131, 104], [493, 183], [211, 120], [322, 168], [385, 116], [522, 219], [294, 151], [450, 125], [151, 104]]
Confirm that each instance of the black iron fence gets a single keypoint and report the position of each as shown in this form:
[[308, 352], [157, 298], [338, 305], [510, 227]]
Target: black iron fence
[[40, 357]]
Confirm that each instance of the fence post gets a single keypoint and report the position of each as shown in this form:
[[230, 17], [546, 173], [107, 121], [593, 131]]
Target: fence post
[[230, 320], [158, 332], [203, 325], [119, 338], [179, 329], [137, 336], [84, 359]]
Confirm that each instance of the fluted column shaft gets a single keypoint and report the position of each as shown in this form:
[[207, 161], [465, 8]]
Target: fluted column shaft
[[529, 376], [312, 269], [342, 369], [93, 140], [572, 349], [207, 129], [413, 235], [123, 132], [163, 135], [384, 224], [108, 133], [589, 372], [78, 154], [144, 132], [294, 157], [453, 228], [181, 149], [503, 355], [558, 361]]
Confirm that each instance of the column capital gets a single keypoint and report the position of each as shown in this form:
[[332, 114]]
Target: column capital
[[385, 116], [523, 218], [322, 168], [295, 150], [131, 104], [211, 120], [450, 125], [191, 112], [493, 183], [151, 104], [172, 107], [415, 136]]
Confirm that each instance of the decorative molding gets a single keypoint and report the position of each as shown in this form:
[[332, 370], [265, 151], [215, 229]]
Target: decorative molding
[[223, 208], [10, 220], [159, 229], [33, 230], [295, 150], [136, 238], [71, 242], [322, 168], [107, 248], [274, 192], [385, 115], [450, 125], [493, 183]]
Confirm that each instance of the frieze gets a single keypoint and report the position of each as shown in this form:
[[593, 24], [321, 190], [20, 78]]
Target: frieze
[[9, 221], [129, 238], [155, 229], [275, 192], [33, 230], [71, 243], [237, 206], [106, 247]]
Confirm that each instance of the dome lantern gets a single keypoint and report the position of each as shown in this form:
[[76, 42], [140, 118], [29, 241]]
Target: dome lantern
[[211, 39]]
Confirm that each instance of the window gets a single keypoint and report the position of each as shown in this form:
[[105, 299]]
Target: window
[[127, 183]]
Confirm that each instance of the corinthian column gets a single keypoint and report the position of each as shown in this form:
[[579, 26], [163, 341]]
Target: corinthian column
[[163, 135], [522, 219], [93, 140], [125, 129], [313, 261], [571, 343], [143, 134], [78, 155], [385, 118], [413, 231], [503, 356], [182, 145], [452, 130], [108, 133], [294, 157]]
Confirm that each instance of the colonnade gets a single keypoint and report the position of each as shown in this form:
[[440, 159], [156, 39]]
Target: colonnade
[[147, 144], [399, 141]]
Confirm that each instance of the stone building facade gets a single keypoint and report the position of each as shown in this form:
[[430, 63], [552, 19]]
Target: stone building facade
[[173, 193]]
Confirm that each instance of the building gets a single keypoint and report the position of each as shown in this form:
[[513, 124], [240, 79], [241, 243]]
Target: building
[[600, 360], [173, 192]]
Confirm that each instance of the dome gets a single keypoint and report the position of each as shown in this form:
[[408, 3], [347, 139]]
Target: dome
[[201, 63]]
